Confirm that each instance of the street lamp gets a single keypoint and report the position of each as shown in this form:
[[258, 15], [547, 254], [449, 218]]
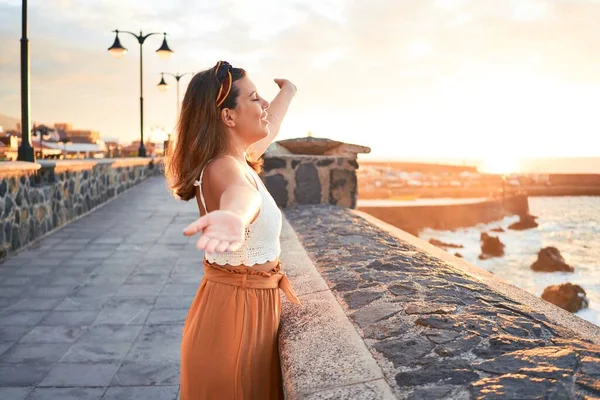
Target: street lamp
[[164, 52], [25, 152], [163, 86]]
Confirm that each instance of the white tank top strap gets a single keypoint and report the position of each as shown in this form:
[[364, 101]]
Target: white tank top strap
[[199, 181], [199, 184]]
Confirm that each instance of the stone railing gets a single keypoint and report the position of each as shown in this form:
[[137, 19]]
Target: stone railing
[[386, 315], [36, 198]]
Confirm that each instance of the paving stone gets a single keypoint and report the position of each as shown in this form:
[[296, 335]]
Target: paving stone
[[81, 375], [24, 374], [126, 312], [14, 393], [141, 392], [140, 290], [163, 302], [110, 334], [83, 352], [42, 393], [52, 334], [168, 316], [35, 304], [34, 353], [25, 318], [172, 289], [78, 303], [161, 333], [70, 318], [13, 333], [147, 374], [149, 352]]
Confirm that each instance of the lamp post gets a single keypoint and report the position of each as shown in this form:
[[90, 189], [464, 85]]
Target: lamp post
[[163, 86], [164, 52], [25, 152]]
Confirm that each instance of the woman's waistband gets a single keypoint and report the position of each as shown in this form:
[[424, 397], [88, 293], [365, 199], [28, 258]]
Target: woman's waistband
[[246, 277]]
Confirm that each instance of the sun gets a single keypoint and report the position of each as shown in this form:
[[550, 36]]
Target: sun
[[499, 165]]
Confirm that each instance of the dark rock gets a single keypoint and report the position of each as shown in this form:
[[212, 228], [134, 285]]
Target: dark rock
[[497, 230], [325, 162], [439, 243], [342, 188], [385, 329], [441, 336], [8, 206], [383, 266], [518, 386], [550, 260], [525, 222], [436, 392], [15, 238], [458, 255], [427, 308], [17, 217], [554, 361], [295, 163], [277, 187], [491, 246], [500, 344], [406, 289], [361, 298], [453, 372], [403, 352], [308, 185], [567, 296], [375, 313], [3, 187], [590, 366], [439, 322], [458, 346], [588, 383], [274, 163]]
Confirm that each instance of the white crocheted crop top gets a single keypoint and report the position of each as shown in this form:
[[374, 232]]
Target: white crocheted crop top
[[261, 236]]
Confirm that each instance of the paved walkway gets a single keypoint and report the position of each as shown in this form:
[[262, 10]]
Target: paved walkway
[[95, 310]]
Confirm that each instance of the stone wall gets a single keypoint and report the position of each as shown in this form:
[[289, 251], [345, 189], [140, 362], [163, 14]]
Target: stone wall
[[36, 198], [436, 326], [301, 179], [412, 218]]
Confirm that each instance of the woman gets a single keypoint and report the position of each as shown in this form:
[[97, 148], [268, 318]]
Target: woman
[[229, 344]]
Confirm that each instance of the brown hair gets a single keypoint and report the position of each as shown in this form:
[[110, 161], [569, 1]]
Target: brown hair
[[201, 135]]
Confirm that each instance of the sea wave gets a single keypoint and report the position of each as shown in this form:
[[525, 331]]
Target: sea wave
[[568, 223]]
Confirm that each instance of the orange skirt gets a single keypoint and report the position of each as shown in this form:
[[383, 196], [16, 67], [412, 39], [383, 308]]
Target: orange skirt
[[229, 347]]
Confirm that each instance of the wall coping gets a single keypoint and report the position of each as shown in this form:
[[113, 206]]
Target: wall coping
[[18, 166], [322, 354], [554, 313], [437, 326], [13, 167]]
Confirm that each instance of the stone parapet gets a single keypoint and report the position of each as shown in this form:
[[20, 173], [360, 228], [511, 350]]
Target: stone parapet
[[437, 326], [36, 198], [301, 179]]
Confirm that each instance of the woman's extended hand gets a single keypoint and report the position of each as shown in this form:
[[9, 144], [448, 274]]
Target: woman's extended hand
[[284, 83], [221, 231]]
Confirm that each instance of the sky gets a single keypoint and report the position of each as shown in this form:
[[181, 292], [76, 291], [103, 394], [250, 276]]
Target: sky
[[478, 79]]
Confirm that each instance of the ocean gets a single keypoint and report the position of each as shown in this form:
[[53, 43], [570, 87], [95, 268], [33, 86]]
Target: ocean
[[571, 224]]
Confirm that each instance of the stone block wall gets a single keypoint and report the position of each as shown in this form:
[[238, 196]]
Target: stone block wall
[[436, 326], [305, 179], [36, 198]]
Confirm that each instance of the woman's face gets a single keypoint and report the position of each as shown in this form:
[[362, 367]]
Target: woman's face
[[250, 115]]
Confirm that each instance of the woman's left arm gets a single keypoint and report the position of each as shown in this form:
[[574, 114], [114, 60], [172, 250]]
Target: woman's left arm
[[277, 110]]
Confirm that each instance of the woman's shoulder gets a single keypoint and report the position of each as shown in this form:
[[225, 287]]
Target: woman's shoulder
[[225, 170]]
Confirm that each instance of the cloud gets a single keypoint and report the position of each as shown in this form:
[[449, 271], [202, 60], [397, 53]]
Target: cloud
[[411, 66]]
